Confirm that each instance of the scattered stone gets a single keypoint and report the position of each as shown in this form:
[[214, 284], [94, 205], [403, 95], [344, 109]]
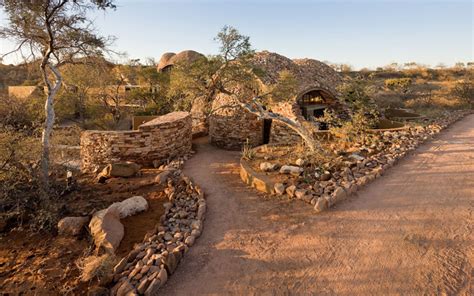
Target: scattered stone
[[299, 193], [300, 162], [339, 194], [268, 167], [326, 176], [357, 157], [125, 288], [321, 205], [121, 265], [71, 225], [148, 266], [162, 177], [122, 169], [293, 170], [290, 190], [143, 285], [170, 263], [152, 289], [163, 276], [190, 240], [279, 188]]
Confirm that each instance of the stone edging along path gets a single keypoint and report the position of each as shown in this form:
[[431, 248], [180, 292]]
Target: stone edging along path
[[147, 267], [358, 173]]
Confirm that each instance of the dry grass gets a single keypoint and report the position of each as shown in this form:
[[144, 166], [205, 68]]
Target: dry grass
[[96, 267]]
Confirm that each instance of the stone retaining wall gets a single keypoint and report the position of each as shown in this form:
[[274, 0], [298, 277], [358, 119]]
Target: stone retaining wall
[[158, 140], [348, 179], [149, 265], [232, 131]]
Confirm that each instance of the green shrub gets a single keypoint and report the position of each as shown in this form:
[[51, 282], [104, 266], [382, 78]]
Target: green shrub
[[398, 83], [464, 91]]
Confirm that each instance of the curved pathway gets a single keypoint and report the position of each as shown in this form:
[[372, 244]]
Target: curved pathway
[[408, 233]]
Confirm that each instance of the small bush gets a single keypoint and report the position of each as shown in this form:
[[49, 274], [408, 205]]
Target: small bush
[[22, 202], [465, 92], [96, 267], [398, 83], [248, 152], [21, 114]]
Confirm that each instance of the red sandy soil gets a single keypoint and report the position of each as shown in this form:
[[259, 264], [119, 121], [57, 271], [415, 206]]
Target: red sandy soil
[[407, 233], [45, 264]]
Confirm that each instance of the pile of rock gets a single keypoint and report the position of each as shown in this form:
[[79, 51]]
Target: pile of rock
[[147, 267], [336, 182]]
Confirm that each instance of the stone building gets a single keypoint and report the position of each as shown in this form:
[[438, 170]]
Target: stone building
[[317, 83], [198, 114], [169, 59]]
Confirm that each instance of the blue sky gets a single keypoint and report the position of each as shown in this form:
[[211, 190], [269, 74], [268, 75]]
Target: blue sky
[[361, 33]]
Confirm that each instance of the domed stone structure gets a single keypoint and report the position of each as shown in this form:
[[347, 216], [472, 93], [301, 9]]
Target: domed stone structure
[[317, 86], [169, 59], [165, 60]]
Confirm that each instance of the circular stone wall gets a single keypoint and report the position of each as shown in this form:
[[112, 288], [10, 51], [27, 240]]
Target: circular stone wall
[[231, 128], [160, 139]]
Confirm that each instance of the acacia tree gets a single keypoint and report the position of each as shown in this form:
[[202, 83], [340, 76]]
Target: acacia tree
[[56, 32], [230, 72]]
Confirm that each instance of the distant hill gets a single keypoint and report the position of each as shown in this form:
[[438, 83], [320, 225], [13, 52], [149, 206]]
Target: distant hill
[[28, 74], [23, 74]]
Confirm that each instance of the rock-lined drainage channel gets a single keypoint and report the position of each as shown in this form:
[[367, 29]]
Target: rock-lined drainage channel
[[358, 172], [147, 267]]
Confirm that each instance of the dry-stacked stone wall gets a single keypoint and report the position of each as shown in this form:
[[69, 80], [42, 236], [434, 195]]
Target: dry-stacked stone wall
[[147, 267], [231, 128], [281, 133], [337, 182], [158, 140]]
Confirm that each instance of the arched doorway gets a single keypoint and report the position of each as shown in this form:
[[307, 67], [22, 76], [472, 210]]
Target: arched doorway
[[313, 102]]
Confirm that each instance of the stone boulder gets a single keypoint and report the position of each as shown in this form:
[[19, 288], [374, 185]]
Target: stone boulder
[[321, 205], [106, 229], [290, 190], [71, 225], [325, 177], [130, 206], [162, 177], [293, 170], [300, 162], [268, 167], [280, 188], [119, 169]]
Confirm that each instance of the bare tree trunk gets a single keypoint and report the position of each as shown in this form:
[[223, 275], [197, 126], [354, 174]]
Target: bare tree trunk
[[48, 125]]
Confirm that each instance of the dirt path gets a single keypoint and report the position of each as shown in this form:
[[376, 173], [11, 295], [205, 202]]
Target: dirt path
[[408, 233]]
